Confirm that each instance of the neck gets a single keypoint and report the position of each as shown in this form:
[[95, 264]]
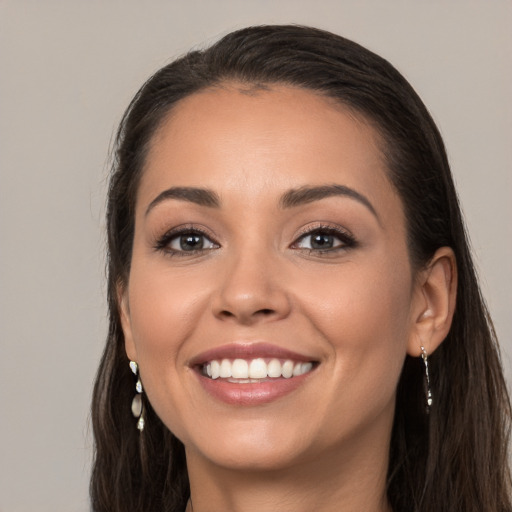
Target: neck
[[331, 482]]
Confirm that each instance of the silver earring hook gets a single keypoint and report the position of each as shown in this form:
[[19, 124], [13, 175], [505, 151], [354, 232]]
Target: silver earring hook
[[428, 391]]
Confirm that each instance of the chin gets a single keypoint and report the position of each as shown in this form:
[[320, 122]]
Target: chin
[[257, 447], [241, 457]]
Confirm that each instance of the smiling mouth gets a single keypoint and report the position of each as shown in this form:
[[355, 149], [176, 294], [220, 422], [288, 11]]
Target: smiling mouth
[[252, 371], [252, 374]]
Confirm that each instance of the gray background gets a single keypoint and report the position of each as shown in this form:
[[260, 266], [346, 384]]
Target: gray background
[[67, 71]]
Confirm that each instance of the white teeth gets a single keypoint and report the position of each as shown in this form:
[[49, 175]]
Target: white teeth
[[240, 369], [244, 381], [306, 367], [215, 366], [287, 370], [257, 369], [274, 368], [225, 369], [243, 371]]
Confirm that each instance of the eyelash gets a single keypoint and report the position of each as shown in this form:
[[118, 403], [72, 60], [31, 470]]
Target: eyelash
[[347, 240], [163, 243]]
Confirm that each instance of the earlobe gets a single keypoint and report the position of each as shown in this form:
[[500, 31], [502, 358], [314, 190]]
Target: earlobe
[[436, 303], [124, 315]]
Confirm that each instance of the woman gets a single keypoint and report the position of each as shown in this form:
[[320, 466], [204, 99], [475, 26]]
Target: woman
[[290, 283]]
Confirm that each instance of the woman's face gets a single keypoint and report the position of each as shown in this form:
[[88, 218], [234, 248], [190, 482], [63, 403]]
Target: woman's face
[[270, 246]]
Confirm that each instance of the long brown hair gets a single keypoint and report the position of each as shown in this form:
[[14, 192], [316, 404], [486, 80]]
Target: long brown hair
[[455, 458]]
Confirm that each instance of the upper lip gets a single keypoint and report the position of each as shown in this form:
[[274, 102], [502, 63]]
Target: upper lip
[[243, 350]]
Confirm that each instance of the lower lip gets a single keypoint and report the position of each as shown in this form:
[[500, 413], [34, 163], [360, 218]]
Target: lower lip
[[254, 393]]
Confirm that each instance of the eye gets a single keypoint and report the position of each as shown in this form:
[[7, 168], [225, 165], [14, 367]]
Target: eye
[[324, 239], [189, 241]]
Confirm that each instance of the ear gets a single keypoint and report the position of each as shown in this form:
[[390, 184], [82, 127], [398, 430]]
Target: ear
[[126, 324], [434, 303]]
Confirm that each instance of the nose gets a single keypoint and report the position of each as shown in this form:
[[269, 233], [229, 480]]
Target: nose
[[251, 289]]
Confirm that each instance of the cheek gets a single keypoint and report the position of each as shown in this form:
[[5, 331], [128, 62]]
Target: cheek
[[162, 307], [164, 314], [364, 314], [360, 299]]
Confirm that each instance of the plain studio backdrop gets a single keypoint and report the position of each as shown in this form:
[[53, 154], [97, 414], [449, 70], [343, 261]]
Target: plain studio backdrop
[[67, 71]]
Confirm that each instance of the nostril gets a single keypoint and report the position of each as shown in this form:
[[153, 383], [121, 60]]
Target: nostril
[[263, 312]]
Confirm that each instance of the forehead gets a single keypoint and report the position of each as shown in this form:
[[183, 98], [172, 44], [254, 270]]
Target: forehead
[[263, 140]]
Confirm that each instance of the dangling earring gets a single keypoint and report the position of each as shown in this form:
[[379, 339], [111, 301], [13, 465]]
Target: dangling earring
[[428, 391], [137, 406]]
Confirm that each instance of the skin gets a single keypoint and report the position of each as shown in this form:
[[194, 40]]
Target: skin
[[357, 309]]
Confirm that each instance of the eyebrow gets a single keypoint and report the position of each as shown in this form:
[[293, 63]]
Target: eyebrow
[[304, 195], [200, 196], [290, 199]]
